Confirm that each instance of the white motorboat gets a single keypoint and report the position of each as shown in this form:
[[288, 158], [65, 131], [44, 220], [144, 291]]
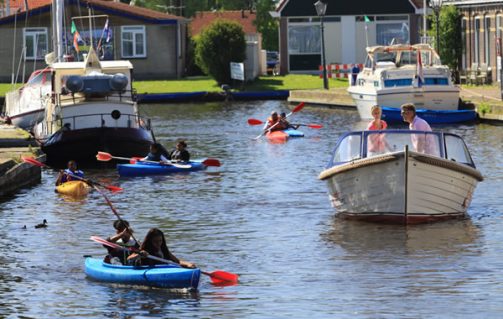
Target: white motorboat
[[25, 105], [401, 176], [398, 74]]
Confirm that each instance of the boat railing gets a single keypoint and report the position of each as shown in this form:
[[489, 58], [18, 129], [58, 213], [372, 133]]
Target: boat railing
[[112, 120], [115, 96]]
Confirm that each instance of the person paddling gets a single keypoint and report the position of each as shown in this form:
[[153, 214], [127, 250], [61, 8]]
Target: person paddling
[[156, 154], [69, 173], [123, 237], [273, 123], [180, 153], [283, 122], [155, 244]]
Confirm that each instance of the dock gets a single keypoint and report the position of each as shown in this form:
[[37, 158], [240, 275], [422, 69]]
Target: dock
[[14, 173]]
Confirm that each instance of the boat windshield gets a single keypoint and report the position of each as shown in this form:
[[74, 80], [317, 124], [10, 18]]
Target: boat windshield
[[40, 77], [356, 145], [385, 57], [456, 150]]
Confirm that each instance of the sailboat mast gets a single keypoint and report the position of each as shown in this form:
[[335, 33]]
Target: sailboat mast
[[58, 9]]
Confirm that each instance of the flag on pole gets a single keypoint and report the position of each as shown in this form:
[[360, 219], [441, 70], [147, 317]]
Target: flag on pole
[[107, 33], [367, 20], [76, 37], [419, 70]]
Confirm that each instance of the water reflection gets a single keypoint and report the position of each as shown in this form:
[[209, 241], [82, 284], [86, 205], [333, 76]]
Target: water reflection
[[442, 238]]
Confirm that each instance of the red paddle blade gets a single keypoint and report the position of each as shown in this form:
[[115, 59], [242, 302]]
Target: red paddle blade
[[212, 162], [31, 160], [255, 122], [105, 242], [103, 156], [220, 277], [316, 126], [298, 107], [135, 160], [113, 188]]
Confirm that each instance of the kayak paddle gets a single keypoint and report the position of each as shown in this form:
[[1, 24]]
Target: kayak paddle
[[31, 160], [217, 276], [299, 107], [258, 122], [105, 157]]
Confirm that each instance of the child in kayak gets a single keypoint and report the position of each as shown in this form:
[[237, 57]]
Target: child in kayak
[[156, 154], [69, 174], [155, 244], [180, 153], [122, 237]]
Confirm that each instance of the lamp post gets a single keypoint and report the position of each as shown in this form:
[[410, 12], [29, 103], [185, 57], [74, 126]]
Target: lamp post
[[436, 5], [321, 8]]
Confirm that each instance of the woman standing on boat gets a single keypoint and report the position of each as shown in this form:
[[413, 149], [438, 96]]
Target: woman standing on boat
[[376, 142]]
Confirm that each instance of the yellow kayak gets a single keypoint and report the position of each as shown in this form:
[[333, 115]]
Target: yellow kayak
[[74, 188]]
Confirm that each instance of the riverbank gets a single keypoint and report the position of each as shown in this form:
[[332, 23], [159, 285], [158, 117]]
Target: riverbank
[[15, 174], [485, 99]]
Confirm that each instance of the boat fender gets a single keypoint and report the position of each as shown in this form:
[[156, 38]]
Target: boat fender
[[74, 83], [116, 114], [118, 82]]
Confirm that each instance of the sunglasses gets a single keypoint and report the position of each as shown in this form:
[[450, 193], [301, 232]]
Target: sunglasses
[[403, 112]]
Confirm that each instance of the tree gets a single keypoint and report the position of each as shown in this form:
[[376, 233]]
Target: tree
[[451, 44], [219, 44], [267, 25]]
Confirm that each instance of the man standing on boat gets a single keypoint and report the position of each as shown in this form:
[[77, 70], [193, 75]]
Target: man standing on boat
[[422, 143]]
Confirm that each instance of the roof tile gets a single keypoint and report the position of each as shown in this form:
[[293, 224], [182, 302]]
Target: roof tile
[[203, 19]]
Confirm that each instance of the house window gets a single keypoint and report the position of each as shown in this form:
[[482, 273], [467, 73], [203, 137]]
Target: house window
[[35, 42], [304, 39], [487, 39], [477, 40], [463, 45], [386, 33], [134, 42]]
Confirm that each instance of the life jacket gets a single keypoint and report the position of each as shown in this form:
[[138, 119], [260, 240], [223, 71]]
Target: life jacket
[[278, 127], [183, 155], [154, 157], [68, 175]]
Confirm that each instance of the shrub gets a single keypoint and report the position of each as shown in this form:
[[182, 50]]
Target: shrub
[[218, 45]]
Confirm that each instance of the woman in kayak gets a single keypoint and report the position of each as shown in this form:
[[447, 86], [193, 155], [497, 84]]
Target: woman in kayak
[[273, 123], [180, 153], [123, 237], [156, 154], [69, 174], [154, 244]]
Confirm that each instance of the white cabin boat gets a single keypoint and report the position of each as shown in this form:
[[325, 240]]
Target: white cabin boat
[[25, 105], [401, 176], [398, 74]]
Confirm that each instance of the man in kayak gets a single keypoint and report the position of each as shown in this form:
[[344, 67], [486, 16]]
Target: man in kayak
[[69, 174], [154, 244], [156, 154], [123, 237], [283, 122], [180, 153]]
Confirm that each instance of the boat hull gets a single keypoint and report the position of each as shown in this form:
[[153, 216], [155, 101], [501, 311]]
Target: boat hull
[[74, 189], [393, 115], [162, 276], [82, 145], [147, 169], [283, 135], [400, 188], [446, 98]]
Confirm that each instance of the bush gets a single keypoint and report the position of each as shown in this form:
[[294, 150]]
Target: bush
[[218, 45]]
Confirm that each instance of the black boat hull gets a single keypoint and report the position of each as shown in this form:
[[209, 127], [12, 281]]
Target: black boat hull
[[83, 145]]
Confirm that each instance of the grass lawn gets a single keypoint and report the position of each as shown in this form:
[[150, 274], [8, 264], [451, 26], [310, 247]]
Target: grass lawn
[[204, 83]]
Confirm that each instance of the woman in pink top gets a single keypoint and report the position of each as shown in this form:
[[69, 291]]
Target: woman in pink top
[[376, 143]]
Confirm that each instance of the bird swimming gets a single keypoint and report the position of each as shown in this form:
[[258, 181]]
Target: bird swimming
[[42, 225]]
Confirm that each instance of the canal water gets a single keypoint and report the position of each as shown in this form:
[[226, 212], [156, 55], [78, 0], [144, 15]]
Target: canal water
[[264, 215]]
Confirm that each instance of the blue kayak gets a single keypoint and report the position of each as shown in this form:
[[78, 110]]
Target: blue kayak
[[162, 276], [293, 133], [147, 169]]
